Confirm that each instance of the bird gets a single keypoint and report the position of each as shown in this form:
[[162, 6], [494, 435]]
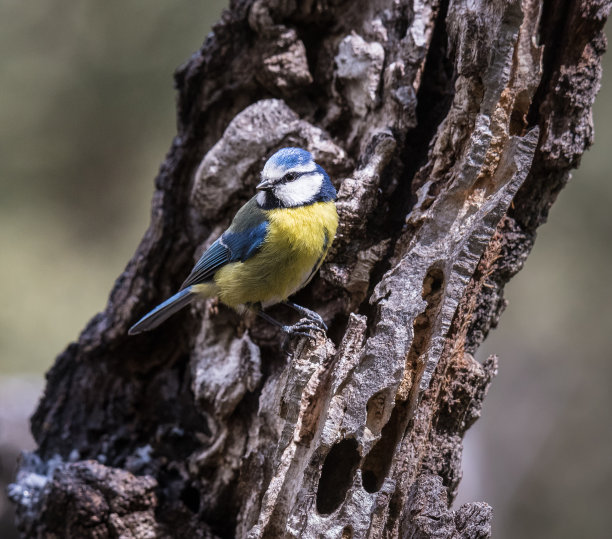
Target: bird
[[273, 247]]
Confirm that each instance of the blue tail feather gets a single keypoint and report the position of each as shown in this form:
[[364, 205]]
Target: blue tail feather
[[163, 311]]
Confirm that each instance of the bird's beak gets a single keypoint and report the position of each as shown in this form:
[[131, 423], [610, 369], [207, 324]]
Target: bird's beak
[[263, 185]]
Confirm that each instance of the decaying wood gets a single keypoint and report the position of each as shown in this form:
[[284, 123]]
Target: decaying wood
[[448, 127]]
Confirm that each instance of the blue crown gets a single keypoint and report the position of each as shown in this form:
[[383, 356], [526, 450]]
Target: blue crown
[[288, 158]]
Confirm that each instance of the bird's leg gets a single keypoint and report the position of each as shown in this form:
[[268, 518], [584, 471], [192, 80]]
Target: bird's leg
[[300, 328], [311, 315]]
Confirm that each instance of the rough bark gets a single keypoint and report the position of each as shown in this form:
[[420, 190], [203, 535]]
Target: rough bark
[[448, 127]]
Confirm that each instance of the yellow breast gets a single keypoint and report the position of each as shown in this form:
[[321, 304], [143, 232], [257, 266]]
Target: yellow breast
[[296, 244]]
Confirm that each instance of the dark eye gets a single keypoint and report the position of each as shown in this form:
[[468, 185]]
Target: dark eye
[[290, 176]]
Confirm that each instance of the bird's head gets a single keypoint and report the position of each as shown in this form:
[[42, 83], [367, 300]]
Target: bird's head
[[291, 178]]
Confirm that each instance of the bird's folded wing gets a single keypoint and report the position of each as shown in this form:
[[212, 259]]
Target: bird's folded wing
[[232, 246]]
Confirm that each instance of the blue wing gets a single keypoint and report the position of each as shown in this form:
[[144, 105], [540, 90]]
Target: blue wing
[[233, 246]]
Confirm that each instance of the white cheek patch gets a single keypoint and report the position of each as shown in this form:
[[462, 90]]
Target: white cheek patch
[[300, 191], [272, 171]]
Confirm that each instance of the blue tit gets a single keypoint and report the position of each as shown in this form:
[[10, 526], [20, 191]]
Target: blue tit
[[273, 247]]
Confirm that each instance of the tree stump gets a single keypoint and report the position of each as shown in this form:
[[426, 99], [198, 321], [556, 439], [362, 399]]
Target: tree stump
[[448, 128]]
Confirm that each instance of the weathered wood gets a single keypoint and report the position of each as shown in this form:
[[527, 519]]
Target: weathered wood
[[448, 127]]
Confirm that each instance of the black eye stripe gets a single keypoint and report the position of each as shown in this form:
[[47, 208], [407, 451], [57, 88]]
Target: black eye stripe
[[290, 176]]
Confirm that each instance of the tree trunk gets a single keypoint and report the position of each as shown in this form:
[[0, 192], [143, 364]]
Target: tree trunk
[[449, 127]]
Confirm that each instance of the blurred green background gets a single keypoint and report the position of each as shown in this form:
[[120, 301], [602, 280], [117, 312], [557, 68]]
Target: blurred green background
[[87, 114]]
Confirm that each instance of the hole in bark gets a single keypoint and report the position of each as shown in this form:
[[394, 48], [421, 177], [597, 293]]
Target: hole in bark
[[518, 117], [553, 32], [375, 410], [517, 122], [423, 323], [190, 496], [376, 465], [347, 532], [432, 282], [337, 475], [337, 328]]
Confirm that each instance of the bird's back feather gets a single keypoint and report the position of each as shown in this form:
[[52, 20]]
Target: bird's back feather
[[238, 243]]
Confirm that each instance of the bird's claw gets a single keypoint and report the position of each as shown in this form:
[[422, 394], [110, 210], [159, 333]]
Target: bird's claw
[[303, 327], [316, 318], [308, 314]]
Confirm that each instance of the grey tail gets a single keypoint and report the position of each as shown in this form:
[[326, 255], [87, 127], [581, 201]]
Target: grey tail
[[163, 311]]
